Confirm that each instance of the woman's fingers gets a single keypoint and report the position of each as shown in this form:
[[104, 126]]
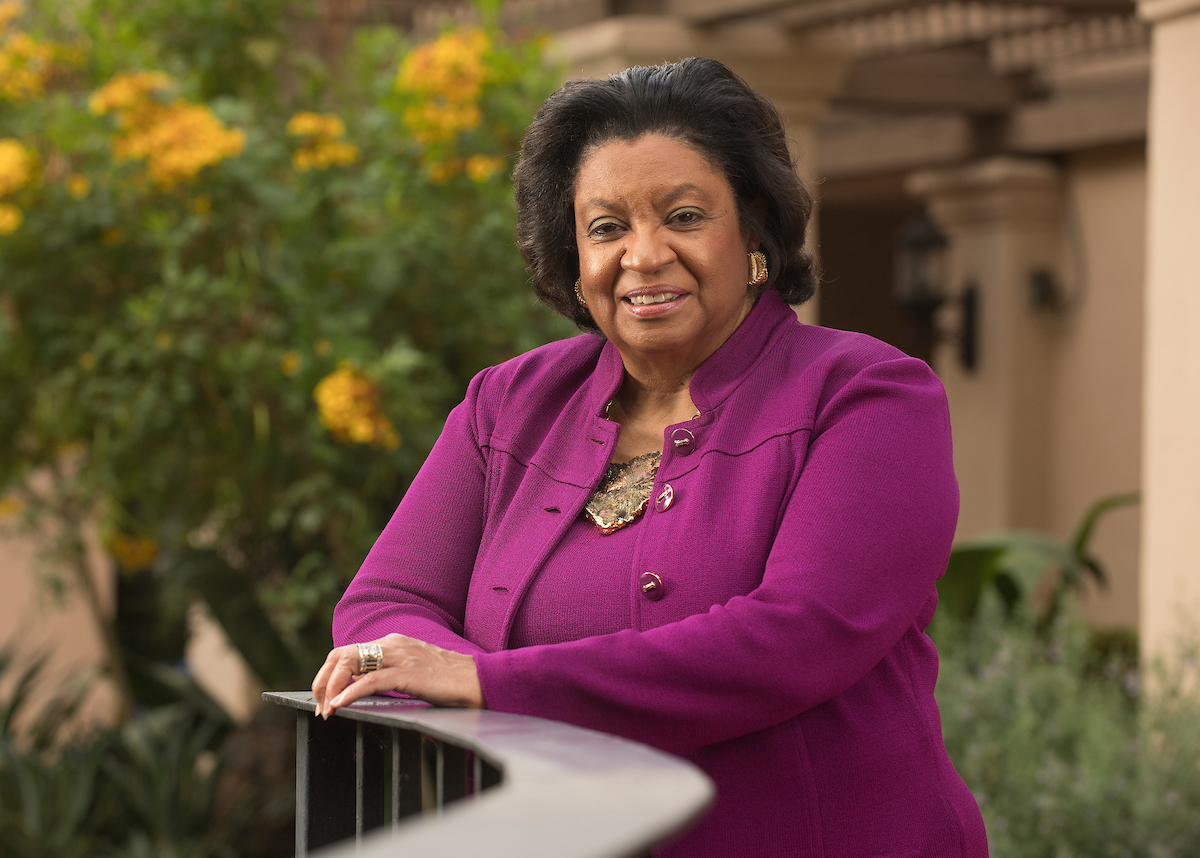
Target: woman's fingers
[[365, 685], [333, 677], [322, 679], [410, 666]]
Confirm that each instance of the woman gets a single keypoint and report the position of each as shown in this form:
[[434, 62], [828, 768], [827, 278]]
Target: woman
[[710, 529]]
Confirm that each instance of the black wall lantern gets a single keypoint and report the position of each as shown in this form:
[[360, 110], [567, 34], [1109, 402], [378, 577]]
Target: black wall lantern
[[920, 287]]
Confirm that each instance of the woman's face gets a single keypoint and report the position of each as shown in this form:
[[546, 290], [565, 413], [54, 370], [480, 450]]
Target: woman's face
[[662, 257]]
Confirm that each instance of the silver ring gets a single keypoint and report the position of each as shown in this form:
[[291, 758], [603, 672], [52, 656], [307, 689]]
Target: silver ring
[[370, 657]]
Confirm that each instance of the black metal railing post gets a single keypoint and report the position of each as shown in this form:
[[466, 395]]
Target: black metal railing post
[[325, 781]]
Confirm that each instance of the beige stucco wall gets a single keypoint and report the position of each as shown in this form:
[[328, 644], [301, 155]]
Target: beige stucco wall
[[37, 619], [1049, 422], [1096, 367], [1001, 217], [218, 668], [35, 622]]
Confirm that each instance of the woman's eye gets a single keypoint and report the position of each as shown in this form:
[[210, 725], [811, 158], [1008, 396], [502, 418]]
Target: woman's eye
[[687, 217], [604, 228]]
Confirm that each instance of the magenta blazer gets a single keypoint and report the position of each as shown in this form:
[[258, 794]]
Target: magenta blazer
[[812, 509]]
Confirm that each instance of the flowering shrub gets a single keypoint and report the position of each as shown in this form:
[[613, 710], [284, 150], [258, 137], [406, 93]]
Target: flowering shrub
[[446, 78], [176, 139], [230, 302], [449, 89]]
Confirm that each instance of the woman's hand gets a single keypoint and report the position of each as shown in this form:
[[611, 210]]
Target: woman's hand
[[410, 666]]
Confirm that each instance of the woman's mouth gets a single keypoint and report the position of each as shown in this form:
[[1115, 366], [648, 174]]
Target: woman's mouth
[[642, 300]]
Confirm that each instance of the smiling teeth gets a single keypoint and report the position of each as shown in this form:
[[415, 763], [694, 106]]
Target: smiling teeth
[[652, 299]]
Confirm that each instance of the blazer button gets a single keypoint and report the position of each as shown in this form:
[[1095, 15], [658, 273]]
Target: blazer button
[[665, 498], [652, 586], [683, 441]]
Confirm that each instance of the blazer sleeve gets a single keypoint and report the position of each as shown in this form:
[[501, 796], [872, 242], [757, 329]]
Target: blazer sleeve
[[860, 544], [414, 580]]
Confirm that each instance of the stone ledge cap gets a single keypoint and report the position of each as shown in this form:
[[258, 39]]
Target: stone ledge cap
[[995, 172], [1158, 11]]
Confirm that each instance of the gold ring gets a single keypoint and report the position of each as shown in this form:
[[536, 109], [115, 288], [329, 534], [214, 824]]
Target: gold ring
[[370, 657]]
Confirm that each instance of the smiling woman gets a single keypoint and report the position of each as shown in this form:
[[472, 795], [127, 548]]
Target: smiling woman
[[701, 525], [663, 259]]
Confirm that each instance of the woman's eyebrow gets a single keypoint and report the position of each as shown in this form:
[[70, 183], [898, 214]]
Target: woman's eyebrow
[[681, 191], [597, 203]]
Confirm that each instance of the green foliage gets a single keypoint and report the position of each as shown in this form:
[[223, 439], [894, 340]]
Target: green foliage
[[235, 312], [1066, 756], [1012, 564], [148, 788], [1047, 721]]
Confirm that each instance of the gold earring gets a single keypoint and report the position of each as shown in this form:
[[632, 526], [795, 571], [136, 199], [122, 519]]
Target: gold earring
[[579, 292], [758, 268]]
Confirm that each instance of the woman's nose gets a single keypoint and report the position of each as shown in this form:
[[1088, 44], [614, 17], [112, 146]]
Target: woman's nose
[[646, 251]]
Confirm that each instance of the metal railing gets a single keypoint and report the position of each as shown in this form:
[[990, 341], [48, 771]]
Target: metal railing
[[391, 777]]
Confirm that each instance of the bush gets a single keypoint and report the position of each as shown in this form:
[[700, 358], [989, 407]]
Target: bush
[[241, 285], [238, 295], [147, 788], [1064, 753]]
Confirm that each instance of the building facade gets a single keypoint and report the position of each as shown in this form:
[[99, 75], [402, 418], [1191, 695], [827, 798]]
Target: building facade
[[1053, 145]]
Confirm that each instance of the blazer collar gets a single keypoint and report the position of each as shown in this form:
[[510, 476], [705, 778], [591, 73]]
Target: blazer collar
[[717, 377]]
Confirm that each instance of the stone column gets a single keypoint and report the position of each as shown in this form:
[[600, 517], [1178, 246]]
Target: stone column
[[1001, 218], [1170, 562], [799, 73]]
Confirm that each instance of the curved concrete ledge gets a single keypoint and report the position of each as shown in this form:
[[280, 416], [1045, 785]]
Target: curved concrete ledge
[[566, 792]]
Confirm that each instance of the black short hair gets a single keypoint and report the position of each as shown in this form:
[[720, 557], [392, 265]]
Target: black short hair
[[697, 101]]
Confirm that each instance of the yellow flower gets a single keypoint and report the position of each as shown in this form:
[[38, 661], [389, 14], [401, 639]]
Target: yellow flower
[[176, 139], [162, 341], [321, 144], [289, 364], [348, 403], [78, 186], [182, 140], [439, 121], [112, 237], [202, 204], [323, 155], [451, 67], [447, 77], [87, 361], [10, 505], [128, 90], [132, 552], [305, 124], [9, 9], [17, 164], [10, 218], [322, 347], [25, 62], [482, 167]]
